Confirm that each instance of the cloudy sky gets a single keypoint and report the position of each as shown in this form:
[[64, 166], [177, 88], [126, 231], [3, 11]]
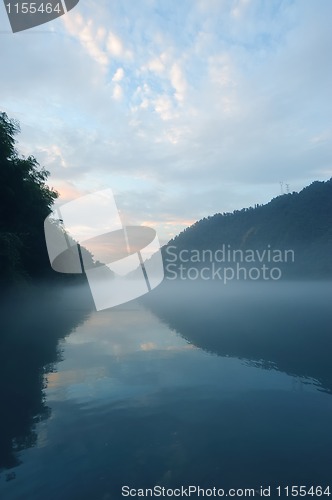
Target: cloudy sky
[[184, 108]]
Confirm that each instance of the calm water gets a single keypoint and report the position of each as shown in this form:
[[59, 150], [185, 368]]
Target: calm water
[[197, 384]]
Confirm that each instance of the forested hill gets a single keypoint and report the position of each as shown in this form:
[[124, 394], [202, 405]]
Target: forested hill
[[301, 222]]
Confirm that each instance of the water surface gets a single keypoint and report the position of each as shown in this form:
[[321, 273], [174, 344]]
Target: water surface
[[206, 386]]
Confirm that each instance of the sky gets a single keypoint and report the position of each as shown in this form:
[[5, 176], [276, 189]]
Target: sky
[[184, 108]]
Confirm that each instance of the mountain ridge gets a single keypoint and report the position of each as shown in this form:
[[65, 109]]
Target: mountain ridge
[[301, 222]]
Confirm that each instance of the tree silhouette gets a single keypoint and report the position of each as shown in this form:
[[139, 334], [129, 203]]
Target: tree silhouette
[[25, 201]]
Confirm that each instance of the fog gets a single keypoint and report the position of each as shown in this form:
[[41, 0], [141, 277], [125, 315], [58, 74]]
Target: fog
[[283, 325], [194, 383]]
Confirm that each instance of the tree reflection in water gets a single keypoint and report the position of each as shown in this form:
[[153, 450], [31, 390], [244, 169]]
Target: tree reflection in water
[[284, 325], [32, 323]]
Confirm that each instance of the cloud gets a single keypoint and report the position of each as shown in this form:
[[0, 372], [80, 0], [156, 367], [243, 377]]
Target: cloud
[[199, 106], [90, 38], [163, 106], [67, 191], [114, 45], [117, 92], [178, 81], [156, 65], [118, 75]]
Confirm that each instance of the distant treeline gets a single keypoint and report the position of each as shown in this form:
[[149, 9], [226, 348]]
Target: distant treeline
[[297, 222]]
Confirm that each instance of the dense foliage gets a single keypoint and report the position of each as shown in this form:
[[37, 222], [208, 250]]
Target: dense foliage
[[25, 201], [299, 221]]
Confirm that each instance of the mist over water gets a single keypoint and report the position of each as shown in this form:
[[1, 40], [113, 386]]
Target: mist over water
[[195, 383], [284, 325]]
